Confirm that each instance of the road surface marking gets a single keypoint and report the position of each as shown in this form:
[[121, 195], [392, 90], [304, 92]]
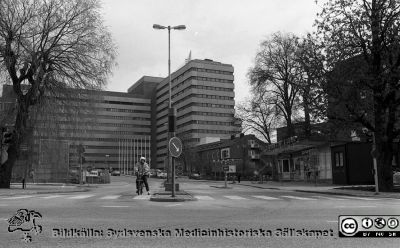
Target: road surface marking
[[115, 206], [355, 206], [18, 197], [204, 197], [174, 205], [360, 198], [50, 196], [142, 197], [110, 197], [265, 197], [234, 197], [298, 198], [328, 198], [80, 196]]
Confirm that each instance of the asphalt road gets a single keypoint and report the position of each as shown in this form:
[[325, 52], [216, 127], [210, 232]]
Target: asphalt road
[[115, 214]]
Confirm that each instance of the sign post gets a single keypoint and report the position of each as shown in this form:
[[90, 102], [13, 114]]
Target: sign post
[[175, 150], [226, 169], [374, 155]]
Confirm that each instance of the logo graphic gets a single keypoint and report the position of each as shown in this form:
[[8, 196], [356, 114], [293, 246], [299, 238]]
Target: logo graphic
[[392, 223], [349, 226], [24, 220], [367, 223], [380, 223], [369, 226]]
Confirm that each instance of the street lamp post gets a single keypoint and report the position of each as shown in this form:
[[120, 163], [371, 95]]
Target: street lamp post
[[171, 110]]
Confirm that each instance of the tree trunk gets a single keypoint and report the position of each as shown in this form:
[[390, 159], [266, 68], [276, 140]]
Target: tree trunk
[[384, 160], [13, 149], [307, 119], [6, 168], [384, 150]]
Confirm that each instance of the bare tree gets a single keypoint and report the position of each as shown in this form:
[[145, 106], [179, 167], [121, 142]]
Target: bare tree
[[276, 71], [259, 115], [311, 82], [48, 47], [361, 37]]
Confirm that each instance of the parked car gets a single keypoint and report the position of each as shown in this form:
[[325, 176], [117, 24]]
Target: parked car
[[194, 176], [162, 175], [115, 173]]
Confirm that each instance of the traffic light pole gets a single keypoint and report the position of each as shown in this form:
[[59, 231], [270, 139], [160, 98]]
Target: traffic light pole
[[171, 132], [1, 148], [80, 170]]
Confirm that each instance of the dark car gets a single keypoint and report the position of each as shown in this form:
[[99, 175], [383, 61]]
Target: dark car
[[194, 176]]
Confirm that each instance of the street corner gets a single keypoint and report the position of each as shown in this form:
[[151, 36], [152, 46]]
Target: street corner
[[352, 193], [165, 196]]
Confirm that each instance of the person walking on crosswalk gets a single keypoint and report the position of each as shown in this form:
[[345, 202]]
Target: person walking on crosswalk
[[142, 171]]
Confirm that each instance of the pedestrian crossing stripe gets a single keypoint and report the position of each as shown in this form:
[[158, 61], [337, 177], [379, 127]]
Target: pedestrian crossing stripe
[[360, 198], [80, 197], [235, 197], [297, 198], [50, 196], [265, 197], [110, 197], [18, 197], [142, 197], [203, 197], [200, 197], [329, 198]]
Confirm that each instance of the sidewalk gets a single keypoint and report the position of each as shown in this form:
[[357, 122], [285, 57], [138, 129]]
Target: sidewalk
[[318, 188], [39, 188]]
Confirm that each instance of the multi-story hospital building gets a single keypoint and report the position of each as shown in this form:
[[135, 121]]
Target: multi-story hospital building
[[133, 124]]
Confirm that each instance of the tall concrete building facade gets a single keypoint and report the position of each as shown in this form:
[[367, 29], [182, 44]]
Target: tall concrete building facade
[[117, 128], [202, 91]]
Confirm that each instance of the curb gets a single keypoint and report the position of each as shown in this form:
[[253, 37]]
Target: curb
[[44, 192], [343, 193], [166, 197], [259, 187], [221, 187]]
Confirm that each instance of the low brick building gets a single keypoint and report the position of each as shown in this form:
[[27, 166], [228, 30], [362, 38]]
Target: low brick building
[[241, 151]]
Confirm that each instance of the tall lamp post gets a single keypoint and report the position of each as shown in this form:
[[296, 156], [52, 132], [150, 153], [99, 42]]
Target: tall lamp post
[[171, 110]]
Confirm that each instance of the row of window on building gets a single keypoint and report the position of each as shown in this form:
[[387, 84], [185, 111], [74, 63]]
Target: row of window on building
[[176, 79]]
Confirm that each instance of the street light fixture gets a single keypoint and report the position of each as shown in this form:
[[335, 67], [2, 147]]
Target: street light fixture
[[171, 111]]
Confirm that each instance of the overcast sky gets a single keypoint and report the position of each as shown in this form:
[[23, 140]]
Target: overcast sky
[[227, 31]]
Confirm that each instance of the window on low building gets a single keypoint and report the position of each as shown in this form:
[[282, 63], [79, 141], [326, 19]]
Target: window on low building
[[339, 159], [225, 153]]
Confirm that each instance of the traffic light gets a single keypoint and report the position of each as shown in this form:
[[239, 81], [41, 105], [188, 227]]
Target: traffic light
[[7, 138]]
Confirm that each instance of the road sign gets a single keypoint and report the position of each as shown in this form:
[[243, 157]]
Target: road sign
[[225, 168], [232, 169], [175, 147]]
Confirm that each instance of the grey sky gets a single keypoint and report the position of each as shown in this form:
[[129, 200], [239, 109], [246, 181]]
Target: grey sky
[[227, 31]]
